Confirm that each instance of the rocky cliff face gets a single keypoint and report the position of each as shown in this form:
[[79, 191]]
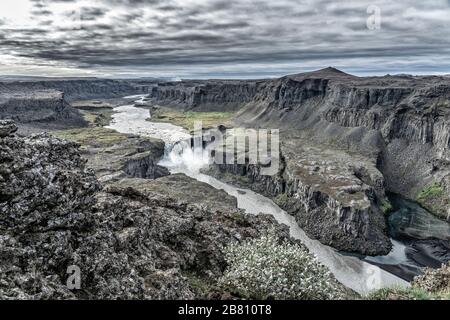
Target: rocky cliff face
[[39, 108], [44, 104], [399, 113], [205, 95], [334, 197], [80, 89], [412, 108]]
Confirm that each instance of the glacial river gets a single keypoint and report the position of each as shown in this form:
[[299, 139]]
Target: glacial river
[[351, 271]]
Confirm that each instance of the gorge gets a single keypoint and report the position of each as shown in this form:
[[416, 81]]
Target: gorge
[[364, 160]]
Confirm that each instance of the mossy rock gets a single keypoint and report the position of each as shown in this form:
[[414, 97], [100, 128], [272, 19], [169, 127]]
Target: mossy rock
[[281, 199], [386, 206], [436, 199], [432, 285], [431, 191], [99, 118]]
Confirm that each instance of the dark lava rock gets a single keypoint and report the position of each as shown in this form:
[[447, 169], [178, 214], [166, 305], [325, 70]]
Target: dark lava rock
[[44, 184], [430, 252]]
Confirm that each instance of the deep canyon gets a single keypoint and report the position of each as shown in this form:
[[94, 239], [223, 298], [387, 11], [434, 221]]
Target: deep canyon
[[364, 180]]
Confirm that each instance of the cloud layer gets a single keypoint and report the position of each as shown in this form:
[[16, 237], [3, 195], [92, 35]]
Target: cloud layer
[[221, 38]]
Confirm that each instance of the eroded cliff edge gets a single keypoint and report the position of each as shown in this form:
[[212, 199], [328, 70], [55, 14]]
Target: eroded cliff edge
[[39, 109]]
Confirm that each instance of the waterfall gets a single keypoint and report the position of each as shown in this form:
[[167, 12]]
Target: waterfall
[[182, 156]]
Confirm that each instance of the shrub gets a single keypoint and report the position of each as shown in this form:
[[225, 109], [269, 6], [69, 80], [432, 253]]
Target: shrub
[[434, 280], [434, 284], [282, 199], [386, 206], [267, 268]]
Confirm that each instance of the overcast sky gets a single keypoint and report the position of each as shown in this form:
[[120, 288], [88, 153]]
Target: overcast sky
[[221, 38]]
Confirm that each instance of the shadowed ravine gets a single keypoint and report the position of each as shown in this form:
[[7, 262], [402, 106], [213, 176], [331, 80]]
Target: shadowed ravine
[[350, 271], [420, 239]]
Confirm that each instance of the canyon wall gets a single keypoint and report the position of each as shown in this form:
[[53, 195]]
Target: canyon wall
[[205, 95], [403, 122], [336, 197], [45, 108], [399, 124], [80, 89]]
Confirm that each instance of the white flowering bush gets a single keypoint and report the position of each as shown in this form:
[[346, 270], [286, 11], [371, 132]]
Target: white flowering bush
[[267, 268]]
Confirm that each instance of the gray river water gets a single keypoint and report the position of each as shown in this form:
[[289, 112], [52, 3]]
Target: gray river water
[[351, 271]]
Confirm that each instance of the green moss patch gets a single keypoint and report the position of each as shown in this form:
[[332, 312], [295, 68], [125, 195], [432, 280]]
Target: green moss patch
[[412, 293], [98, 118], [281, 199], [431, 191], [187, 119], [436, 199], [92, 136], [386, 206]]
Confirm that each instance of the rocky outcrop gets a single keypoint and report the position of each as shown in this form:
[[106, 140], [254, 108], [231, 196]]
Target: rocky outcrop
[[80, 89], [334, 197], [145, 165], [44, 185], [122, 242], [39, 108], [113, 155]]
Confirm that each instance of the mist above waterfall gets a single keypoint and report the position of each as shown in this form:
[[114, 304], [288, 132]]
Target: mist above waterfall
[[182, 156]]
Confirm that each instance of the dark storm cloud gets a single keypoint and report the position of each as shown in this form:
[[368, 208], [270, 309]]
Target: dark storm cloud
[[218, 37]]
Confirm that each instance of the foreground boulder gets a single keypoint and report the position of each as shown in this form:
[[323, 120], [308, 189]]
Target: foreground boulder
[[44, 185]]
